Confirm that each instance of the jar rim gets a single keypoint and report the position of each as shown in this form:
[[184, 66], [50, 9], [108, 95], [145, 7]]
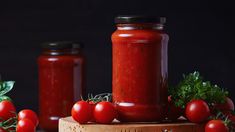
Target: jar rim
[[132, 26], [128, 19]]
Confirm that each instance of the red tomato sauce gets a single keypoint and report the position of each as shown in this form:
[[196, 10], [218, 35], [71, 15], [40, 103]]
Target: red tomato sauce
[[60, 85], [139, 80]]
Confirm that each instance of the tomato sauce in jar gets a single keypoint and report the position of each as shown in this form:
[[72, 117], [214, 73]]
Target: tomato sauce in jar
[[139, 76], [61, 82]]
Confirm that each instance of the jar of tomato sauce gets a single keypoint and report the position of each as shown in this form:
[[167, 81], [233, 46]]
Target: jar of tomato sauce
[[139, 68], [61, 81]]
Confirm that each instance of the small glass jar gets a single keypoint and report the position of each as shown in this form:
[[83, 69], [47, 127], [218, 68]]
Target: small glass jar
[[139, 79], [61, 81]]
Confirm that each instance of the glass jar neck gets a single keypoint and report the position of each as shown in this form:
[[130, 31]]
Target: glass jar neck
[[140, 26], [56, 52]]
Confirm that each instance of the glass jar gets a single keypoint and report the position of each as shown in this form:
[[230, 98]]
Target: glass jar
[[61, 81], [139, 79]]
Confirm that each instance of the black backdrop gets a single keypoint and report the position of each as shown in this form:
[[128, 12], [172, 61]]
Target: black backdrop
[[201, 38]]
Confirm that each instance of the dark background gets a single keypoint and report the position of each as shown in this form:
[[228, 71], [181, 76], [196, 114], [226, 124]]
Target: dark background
[[201, 38]]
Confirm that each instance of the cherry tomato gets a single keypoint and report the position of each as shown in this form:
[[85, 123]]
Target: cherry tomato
[[25, 125], [2, 130], [81, 112], [228, 105], [29, 114], [216, 126], [173, 112], [104, 112], [7, 110], [197, 111]]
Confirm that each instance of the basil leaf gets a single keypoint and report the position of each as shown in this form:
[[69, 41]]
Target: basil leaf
[[5, 87]]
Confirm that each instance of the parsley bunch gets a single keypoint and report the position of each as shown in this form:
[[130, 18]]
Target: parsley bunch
[[193, 87]]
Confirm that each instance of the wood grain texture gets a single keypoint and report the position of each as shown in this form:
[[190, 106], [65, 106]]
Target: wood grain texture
[[69, 125]]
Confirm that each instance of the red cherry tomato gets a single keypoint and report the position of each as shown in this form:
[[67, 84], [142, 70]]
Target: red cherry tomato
[[216, 126], [25, 125], [2, 130], [197, 111], [173, 112], [7, 110], [228, 105], [104, 112], [29, 114], [81, 112]]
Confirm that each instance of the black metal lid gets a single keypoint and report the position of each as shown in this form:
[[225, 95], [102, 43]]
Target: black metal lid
[[62, 45], [125, 19], [78, 45]]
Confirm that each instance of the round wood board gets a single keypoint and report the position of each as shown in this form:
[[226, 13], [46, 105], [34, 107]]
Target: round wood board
[[69, 125]]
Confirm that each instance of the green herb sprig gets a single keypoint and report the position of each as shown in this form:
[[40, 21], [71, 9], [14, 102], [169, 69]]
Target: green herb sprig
[[10, 124], [193, 87], [100, 97]]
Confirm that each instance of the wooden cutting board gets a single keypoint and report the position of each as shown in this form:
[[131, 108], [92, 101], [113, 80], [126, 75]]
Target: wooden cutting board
[[69, 125]]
